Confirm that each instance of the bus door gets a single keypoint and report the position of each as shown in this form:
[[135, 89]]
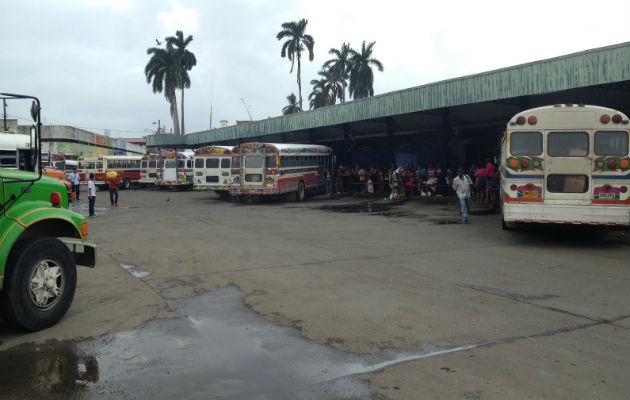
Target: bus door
[[253, 170], [169, 172], [568, 167]]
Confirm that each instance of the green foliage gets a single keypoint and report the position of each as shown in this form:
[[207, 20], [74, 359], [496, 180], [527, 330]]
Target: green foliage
[[361, 75], [293, 107], [297, 42]]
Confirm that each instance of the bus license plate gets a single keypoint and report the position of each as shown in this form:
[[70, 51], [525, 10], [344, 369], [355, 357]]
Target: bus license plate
[[530, 194], [606, 195]]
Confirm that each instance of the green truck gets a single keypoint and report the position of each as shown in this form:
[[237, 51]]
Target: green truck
[[41, 240]]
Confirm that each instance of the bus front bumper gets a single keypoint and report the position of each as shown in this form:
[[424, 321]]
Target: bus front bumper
[[239, 191], [87, 257], [616, 215]]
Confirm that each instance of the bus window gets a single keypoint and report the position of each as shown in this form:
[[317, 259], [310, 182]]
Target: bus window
[[525, 143], [189, 164], [198, 162], [170, 163], [8, 159], [611, 143], [253, 162], [271, 161], [152, 164], [143, 165], [225, 162], [567, 144], [561, 183], [236, 162], [212, 163], [99, 165]]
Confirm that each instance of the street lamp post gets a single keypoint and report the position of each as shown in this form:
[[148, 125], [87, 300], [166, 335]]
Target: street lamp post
[[159, 129]]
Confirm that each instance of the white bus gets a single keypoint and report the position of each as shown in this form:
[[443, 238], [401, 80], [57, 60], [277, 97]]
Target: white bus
[[566, 164], [16, 152], [274, 169], [212, 169], [176, 171], [128, 168], [148, 169]]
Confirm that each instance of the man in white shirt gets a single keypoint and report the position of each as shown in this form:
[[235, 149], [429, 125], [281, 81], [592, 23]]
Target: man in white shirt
[[74, 179], [462, 185], [91, 188]]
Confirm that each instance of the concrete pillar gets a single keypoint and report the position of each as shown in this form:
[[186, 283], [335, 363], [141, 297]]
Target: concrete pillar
[[346, 145], [390, 141], [445, 135]]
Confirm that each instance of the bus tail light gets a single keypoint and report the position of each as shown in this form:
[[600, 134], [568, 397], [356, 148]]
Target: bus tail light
[[513, 187], [616, 118], [520, 120], [612, 164], [605, 118], [84, 230], [532, 120], [55, 199], [623, 189]]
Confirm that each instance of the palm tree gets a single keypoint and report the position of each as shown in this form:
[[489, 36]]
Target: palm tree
[[164, 70], [297, 40], [187, 60], [340, 66], [293, 107], [361, 75], [319, 97]]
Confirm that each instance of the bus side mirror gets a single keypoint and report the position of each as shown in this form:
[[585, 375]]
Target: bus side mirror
[[34, 110]]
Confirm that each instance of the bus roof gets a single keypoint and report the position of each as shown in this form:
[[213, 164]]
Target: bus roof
[[574, 116], [95, 157], [14, 141], [286, 148], [213, 150]]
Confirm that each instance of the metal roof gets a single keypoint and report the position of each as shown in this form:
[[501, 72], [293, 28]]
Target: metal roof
[[578, 70]]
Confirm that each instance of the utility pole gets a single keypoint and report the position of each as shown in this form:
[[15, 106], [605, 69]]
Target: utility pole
[[4, 103]]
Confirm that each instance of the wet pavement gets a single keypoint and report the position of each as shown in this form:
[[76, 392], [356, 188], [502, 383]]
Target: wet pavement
[[218, 348]]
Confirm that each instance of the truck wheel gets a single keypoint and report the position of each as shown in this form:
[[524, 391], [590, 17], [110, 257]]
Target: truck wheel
[[300, 192], [126, 184], [40, 284]]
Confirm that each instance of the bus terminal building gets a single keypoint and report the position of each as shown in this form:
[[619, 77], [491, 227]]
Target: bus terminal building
[[452, 122]]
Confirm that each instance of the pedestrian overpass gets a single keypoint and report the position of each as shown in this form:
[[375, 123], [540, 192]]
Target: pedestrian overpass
[[452, 121]]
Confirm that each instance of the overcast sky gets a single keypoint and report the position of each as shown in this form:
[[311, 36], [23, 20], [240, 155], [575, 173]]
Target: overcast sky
[[85, 59]]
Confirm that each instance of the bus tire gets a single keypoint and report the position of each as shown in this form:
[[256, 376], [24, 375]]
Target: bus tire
[[40, 284], [126, 184], [301, 192]]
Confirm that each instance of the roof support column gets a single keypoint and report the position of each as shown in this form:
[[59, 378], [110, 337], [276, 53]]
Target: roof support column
[[445, 135], [346, 145], [390, 141], [283, 137], [311, 139]]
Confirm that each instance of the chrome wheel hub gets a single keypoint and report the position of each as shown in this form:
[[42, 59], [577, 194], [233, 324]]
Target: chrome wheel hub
[[46, 284]]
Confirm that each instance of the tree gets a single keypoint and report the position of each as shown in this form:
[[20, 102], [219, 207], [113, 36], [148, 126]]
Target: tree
[[325, 90], [297, 40], [163, 71], [340, 67], [187, 60], [361, 75], [293, 107]]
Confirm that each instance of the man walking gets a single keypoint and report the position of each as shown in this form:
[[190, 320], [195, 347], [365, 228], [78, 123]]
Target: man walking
[[462, 185], [91, 188], [74, 179]]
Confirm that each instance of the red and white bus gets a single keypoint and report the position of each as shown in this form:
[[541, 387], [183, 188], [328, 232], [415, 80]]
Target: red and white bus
[[566, 164], [128, 168], [176, 171], [212, 169], [282, 168]]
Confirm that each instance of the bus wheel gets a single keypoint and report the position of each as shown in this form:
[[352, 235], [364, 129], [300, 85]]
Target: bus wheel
[[40, 285], [126, 184], [300, 192]]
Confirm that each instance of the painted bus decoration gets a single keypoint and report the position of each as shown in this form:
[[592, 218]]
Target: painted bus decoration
[[265, 169]]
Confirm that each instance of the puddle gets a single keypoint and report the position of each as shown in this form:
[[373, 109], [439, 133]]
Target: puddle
[[368, 208], [132, 269], [445, 221], [218, 349]]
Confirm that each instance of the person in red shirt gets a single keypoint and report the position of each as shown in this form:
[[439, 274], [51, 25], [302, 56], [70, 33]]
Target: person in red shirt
[[113, 190]]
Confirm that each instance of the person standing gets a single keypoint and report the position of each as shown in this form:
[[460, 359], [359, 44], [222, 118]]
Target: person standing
[[91, 194], [113, 190], [462, 185], [74, 179]]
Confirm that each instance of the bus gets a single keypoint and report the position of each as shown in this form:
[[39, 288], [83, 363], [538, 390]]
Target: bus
[[148, 169], [275, 169], [176, 171], [16, 152], [59, 161], [128, 168], [566, 164], [211, 168]]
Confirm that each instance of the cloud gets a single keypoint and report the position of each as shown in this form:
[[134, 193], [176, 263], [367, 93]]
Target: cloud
[[178, 18]]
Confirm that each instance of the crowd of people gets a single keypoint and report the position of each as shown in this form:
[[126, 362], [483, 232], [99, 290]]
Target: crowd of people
[[407, 179]]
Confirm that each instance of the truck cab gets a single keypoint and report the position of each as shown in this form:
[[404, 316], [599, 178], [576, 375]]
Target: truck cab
[[41, 240]]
